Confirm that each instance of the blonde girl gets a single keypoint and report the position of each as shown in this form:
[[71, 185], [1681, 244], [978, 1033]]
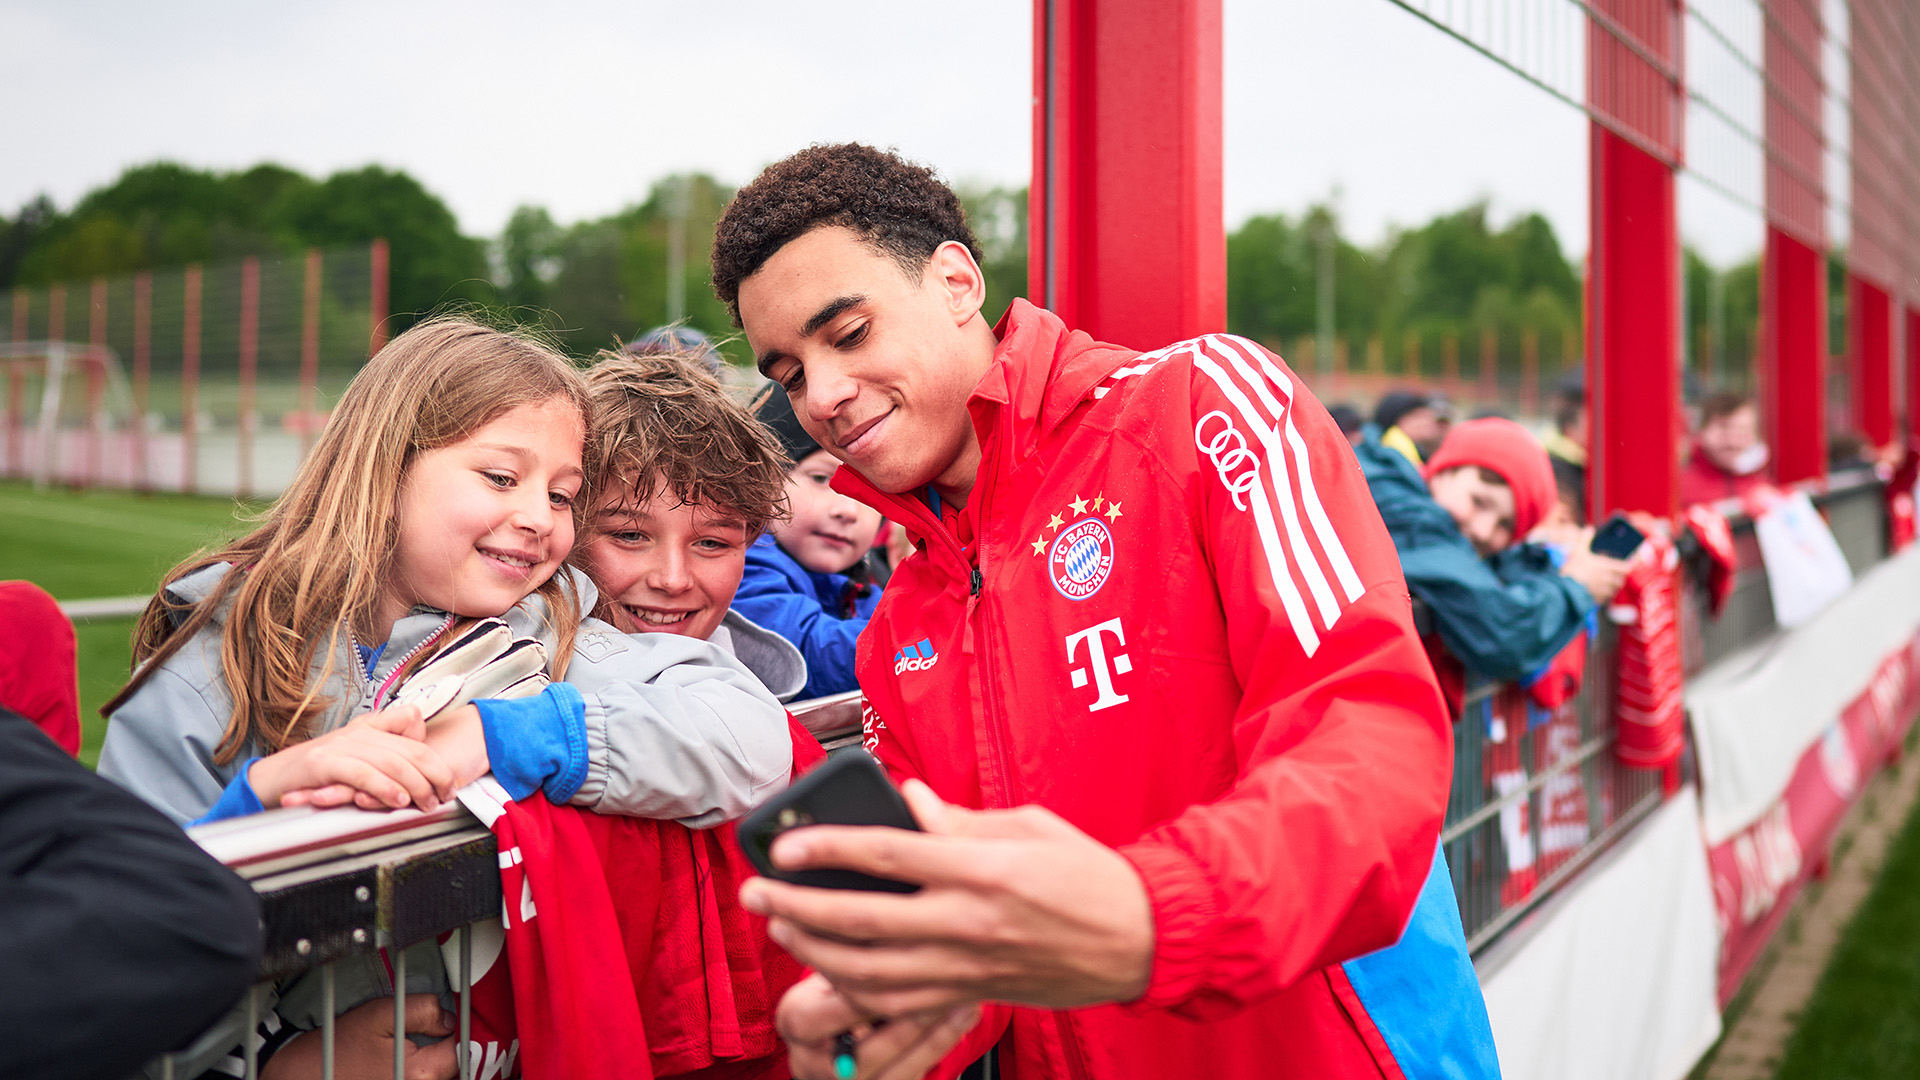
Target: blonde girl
[[445, 486]]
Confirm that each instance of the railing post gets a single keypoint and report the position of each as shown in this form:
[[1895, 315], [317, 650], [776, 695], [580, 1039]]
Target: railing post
[[96, 381], [1633, 277], [377, 296], [142, 373], [310, 353], [1912, 316], [1870, 340], [46, 469], [190, 381], [249, 363], [1131, 255], [17, 387], [1793, 314]]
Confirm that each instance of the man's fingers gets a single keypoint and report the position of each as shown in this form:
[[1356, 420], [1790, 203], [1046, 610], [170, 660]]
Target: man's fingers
[[435, 1062], [811, 1011], [890, 853], [868, 916], [892, 980], [929, 1043]]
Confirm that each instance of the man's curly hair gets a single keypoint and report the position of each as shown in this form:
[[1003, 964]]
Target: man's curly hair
[[662, 425], [900, 208]]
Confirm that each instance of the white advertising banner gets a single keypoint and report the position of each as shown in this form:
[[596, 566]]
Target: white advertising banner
[[1615, 978], [1755, 713]]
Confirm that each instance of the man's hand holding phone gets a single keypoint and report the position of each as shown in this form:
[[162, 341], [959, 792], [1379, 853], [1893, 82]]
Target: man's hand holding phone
[[1014, 905]]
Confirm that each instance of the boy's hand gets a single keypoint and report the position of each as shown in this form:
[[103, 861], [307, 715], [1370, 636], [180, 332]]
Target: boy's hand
[[1600, 575], [363, 1044], [380, 758]]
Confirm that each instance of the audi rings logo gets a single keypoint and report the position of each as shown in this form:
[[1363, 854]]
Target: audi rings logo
[[1239, 467], [1081, 559]]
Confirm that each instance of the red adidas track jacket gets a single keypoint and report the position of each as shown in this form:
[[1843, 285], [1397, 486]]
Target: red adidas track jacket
[[1188, 634]]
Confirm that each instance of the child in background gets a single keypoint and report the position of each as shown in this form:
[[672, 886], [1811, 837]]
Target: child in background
[[805, 579], [445, 487]]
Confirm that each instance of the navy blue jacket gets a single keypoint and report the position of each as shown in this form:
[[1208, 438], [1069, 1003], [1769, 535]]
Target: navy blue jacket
[[815, 611], [1503, 617]]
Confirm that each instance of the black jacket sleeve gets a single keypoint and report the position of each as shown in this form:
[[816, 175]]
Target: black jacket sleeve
[[119, 938]]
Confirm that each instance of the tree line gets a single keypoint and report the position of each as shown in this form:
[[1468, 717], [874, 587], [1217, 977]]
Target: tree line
[[593, 283]]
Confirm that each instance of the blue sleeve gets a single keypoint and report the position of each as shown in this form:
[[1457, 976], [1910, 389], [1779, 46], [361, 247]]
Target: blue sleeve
[[237, 801], [827, 643], [537, 743], [1502, 629]]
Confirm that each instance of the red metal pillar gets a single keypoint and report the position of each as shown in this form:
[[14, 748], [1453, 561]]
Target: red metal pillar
[[1912, 316], [310, 353], [1870, 334], [190, 381], [377, 298], [1633, 279], [96, 364], [1127, 236], [249, 362], [1793, 298], [17, 386], [142, 373]]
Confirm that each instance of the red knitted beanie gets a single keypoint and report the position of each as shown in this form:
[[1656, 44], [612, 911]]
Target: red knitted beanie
[[1510, 450]]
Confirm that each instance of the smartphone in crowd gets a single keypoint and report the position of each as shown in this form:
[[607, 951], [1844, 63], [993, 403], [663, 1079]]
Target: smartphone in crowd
[[1616, 538], [850, 789]]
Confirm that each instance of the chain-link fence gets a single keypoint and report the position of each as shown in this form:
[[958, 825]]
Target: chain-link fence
[[212, 378]]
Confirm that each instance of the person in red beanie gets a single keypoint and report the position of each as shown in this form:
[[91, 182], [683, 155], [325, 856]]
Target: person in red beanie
[[1502, 607], [39, 672]]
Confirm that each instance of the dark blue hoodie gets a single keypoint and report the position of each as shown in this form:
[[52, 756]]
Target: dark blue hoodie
[[1503, 617], [822, 614]]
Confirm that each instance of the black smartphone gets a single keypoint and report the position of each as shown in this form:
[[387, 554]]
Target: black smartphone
[[1616, 538], [850, 789]]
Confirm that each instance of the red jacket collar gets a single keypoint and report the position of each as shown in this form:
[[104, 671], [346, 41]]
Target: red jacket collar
[[1040, 373]]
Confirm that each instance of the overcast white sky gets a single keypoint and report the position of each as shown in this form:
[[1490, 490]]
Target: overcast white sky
[[579, 104]]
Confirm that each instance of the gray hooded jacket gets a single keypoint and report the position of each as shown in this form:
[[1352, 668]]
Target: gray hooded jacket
[[675, 727]]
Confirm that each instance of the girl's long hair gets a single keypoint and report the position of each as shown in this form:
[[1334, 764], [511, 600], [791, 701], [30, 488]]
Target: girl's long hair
[[317, 564]]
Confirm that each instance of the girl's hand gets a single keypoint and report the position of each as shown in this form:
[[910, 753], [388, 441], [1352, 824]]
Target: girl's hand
[[379, 758], [461, 741]]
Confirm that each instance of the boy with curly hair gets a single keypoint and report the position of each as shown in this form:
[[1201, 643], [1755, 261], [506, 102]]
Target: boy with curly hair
[[1181, 749]]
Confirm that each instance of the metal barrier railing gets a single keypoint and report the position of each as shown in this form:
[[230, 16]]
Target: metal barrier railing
[[1536, 796]]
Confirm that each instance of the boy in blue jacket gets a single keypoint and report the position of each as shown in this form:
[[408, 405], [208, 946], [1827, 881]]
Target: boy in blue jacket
[[1500, 604], [806, 576]]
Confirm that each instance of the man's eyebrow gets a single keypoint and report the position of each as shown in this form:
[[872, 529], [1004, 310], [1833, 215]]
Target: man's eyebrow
[[828, 312]]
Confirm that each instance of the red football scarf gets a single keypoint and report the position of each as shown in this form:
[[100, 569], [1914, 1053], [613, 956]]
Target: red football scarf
[[626, 952]]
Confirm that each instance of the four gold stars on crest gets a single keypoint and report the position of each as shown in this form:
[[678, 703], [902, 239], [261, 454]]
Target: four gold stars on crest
[[1079, 505]]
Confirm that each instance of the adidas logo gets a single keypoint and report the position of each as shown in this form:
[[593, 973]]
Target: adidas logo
[[915, 657]]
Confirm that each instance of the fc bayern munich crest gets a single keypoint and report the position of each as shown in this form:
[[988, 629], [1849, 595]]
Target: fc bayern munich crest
[[1081, 558]]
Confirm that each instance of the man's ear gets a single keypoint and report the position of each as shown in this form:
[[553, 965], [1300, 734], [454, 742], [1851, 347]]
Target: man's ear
[[962, 286]]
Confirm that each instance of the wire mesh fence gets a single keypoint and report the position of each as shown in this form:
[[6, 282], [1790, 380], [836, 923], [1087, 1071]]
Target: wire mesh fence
[[207, 378]]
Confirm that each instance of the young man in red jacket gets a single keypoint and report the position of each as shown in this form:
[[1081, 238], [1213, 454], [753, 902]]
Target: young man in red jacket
[[1150, 679]]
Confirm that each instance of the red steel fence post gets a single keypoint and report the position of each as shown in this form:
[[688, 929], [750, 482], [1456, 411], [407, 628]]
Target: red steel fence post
[[1870, 341], [17, 386], [249, 363], [50, 425], [190, 381], [1127, 236], [310, 353], [96, 380], [142, 371], [377, 297], [1793, 298], [1634, 91]]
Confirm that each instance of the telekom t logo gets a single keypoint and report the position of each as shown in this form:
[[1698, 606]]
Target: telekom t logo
[[1097, 654]]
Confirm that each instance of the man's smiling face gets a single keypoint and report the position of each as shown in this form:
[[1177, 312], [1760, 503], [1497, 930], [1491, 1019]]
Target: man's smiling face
[[879, 364]]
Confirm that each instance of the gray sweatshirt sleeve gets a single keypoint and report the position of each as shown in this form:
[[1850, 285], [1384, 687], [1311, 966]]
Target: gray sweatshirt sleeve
[[160, 743], [676, 728]]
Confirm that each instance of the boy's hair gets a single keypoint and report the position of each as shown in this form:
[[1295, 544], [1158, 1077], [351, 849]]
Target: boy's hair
[[662, 424], [901, 209], [1724, 403], [318, 563]]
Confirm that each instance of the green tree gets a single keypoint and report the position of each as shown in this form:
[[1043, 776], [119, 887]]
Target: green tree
[[999, 219]]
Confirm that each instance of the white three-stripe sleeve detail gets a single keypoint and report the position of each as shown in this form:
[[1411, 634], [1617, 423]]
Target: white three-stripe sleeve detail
[[1283, 491], [1270, 543], [1309, 495]]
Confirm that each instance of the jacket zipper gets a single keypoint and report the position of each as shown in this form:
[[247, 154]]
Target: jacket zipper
[[1070, 1046], [999, 733], [411, 653]]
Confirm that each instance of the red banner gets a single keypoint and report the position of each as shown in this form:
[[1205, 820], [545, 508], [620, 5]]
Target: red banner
[[1758, 871]]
